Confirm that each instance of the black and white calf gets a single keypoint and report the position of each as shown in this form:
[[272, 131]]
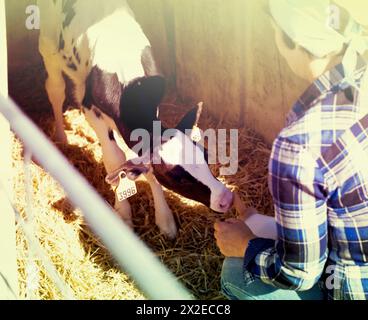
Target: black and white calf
[[99, 46]]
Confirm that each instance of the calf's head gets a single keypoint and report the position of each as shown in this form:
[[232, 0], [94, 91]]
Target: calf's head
[[178, 163], [191, 179]]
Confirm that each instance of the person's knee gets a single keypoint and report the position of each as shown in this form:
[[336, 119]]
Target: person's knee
[[227, 277], [232, 280], [226, 290], [235, 291]]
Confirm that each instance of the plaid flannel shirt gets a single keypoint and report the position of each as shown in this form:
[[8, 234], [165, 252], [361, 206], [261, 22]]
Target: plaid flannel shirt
[[318, 178]]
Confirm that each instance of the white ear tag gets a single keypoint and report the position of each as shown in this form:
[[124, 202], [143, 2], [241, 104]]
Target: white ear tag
[[196, 135], [126, 188]]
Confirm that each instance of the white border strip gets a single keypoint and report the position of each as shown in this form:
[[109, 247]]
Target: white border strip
[[8, 261]]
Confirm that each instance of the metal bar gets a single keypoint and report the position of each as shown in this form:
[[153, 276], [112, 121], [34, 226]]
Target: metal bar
[[35, 250], [8, 262], [152, 277]]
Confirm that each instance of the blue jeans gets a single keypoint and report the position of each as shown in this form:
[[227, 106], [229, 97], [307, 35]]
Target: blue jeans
[[235, 288]]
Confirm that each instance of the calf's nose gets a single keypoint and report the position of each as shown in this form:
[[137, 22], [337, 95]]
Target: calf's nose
[[226, 200]]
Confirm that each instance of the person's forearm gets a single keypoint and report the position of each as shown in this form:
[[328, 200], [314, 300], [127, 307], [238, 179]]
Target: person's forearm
[[262, 226]]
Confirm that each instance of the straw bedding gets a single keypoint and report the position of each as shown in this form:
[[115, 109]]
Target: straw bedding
[[79, 257]]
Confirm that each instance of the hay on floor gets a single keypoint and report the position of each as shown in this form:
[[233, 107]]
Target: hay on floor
[[80, 258]]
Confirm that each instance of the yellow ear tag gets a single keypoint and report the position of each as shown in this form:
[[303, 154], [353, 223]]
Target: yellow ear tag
[[196, 135], [126, 188]]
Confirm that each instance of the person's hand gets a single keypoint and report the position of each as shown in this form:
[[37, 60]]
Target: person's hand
[[232, 237], [243, 212]]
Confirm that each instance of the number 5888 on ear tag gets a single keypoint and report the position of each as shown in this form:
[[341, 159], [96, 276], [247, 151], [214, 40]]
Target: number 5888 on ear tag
[[126, 188]]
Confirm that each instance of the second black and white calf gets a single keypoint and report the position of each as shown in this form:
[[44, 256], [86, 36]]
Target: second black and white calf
[[102, 50]]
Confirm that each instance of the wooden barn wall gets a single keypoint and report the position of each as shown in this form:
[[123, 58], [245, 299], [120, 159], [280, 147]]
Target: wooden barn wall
[[216, 51], [154, 17], [226, 56]]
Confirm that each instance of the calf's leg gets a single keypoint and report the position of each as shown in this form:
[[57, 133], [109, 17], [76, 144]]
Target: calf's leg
[[113, 156], [55, 88], [164, 216]]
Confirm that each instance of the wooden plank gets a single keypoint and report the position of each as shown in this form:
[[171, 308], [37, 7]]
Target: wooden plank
[[8, 262], [209, 53], [153, 17], [226, 56], [271, 87]]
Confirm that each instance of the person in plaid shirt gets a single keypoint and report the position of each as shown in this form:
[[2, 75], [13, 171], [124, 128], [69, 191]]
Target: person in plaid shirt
[[318, 172]]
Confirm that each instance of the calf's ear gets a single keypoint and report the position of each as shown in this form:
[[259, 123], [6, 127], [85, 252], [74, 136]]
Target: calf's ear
[[132, 169], [191, 119]]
